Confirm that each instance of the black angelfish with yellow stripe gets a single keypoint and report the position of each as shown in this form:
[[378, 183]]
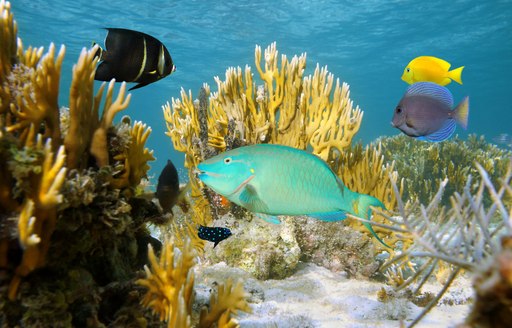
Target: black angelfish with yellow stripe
[[133, 56], [213, 234]]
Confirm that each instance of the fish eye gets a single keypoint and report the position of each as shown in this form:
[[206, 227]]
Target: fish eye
[[408, 69], [227, 160], [398, 110]]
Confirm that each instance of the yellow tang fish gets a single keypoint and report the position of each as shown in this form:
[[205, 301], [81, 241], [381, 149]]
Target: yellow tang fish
[[431, 69]]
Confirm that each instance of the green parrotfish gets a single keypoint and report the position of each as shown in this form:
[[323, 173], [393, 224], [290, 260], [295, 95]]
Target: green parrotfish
[[272, 180]]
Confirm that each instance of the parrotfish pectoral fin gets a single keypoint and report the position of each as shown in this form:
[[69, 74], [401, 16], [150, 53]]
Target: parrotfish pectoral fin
[[329, 216], [268, 218], [250, 200], [442, 134], [363, 203]]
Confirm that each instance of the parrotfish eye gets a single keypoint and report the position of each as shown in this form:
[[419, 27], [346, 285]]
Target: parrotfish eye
[[227, 160]]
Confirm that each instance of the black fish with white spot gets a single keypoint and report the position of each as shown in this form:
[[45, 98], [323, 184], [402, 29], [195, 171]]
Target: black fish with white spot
[[213, 234]]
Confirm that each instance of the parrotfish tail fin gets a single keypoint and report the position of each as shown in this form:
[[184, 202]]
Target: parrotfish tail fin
[[364, 210], [456, 74], [445, 132], [461, 113]]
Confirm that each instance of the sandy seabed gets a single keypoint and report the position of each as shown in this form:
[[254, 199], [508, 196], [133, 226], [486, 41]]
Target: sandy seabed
[[317, 297]]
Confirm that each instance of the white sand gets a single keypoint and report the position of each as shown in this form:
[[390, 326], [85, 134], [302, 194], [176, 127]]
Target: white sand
[[317, 297]]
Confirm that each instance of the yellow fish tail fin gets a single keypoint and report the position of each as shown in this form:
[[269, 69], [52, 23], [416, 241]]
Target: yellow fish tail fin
[[456, 74], [462, 113]]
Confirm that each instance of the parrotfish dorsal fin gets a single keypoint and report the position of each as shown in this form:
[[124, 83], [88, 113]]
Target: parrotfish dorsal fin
[[432, 90]]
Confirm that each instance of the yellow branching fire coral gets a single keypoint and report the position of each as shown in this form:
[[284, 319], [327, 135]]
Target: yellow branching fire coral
[[306, 112], [39, 213], [135, 158], [230, 299], [170, 283], [170, 294], [37, 102], [34, 144]]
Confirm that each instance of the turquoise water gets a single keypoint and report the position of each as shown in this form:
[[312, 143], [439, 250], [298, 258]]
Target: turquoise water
[[364, 43]]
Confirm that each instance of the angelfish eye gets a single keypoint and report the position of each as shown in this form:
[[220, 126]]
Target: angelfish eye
[[227, 160]]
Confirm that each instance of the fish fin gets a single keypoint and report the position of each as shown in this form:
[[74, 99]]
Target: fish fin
[[456, 74], [103, 72], [445, 66], [461, 113], [268, 218], [330, 216], [250, 200], [140, 85], [432, 90], [445, 132], [100, 53], [363, 207], [216, 243]]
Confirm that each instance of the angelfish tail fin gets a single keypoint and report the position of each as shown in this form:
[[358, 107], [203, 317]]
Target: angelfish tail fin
[[456, 74], [364, 210]]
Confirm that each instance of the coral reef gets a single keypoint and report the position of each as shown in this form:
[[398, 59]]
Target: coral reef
[[264, 250], [307, 112], [170, 294], [469, 236], [453, 158], [73, 233]]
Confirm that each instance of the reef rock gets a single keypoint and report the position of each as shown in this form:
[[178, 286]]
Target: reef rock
[[336, 247], [265, 250]]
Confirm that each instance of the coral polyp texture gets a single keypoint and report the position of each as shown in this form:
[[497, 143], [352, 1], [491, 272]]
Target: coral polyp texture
[[286, 107]]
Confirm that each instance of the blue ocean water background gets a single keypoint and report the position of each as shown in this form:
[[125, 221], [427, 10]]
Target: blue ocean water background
[[366, 43]]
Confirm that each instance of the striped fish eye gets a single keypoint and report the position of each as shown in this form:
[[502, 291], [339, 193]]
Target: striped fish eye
[[227, 160]]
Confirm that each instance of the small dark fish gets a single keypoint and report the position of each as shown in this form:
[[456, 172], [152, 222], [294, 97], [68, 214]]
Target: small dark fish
[[168, 187], [425, 112], [133, 56], [213, 234]]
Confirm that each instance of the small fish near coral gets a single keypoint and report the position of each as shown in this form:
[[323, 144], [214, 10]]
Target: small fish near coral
[[425, 112], [431, 69], [168, 189], [271, 180], [213, 234], [133, 56]]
